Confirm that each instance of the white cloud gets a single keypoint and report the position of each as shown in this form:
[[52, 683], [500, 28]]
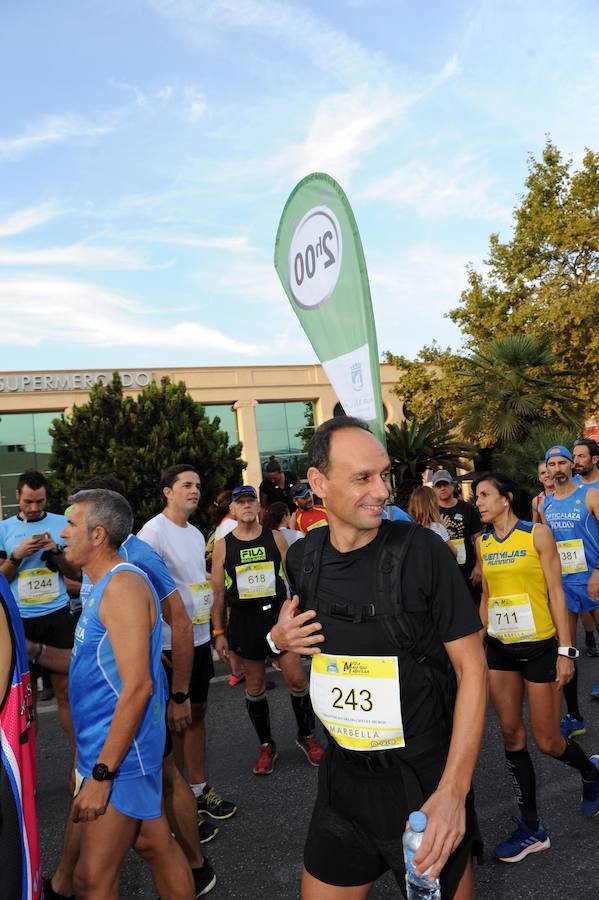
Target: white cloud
[[455, 189], [30, 217], [66, 311], [227, 243], [77, 256], [287, 24], [196, 104], [55, 130]]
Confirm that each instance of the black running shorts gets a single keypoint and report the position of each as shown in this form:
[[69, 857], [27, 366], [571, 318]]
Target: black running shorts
[[248, 627], [201, 673], [56, 629], [355, 834], [535, 660]]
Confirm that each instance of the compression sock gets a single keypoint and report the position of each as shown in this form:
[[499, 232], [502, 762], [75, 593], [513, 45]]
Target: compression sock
[[257, 708], [524, 783], [571, 696], [589, 640], [575, 757], [304, 714]]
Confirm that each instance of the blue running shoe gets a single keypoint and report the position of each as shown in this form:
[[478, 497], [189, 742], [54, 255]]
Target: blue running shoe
[[595, 692], [522, 842], [590, 793], [571, 727]]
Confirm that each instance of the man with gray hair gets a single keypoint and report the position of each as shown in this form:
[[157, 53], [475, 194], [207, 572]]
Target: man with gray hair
[[117, 693]]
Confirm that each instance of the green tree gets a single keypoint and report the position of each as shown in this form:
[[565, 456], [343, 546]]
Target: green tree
[[136, 438], [512, 384], [414, 446], [429, 382], [544, 281], [520, 459]]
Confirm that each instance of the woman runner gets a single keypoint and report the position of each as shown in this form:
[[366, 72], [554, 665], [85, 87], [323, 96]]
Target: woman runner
[[523, 607]]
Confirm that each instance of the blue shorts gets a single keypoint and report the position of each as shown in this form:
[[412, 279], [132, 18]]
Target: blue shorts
[[577, 598], [138, 798]]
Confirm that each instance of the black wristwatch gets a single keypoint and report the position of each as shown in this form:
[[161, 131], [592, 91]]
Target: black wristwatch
[[13, 559], [179, 697], [101, 772]]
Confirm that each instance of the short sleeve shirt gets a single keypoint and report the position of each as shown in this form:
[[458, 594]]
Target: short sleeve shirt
[[432, 586], [183, 550], [274, 493], [37, 590], [464, 521]]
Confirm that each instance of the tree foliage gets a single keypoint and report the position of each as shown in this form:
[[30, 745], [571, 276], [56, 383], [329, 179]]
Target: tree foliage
[[414, 446], [136, 438], [520, 460], [544, 281], [511, 385], [430, 382]]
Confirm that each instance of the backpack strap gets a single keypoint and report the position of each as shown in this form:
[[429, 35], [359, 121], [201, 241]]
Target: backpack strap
[[308, 582]]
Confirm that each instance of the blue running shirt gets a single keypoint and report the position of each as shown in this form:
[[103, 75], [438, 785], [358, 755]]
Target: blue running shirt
[[575, 529], [37, 590], [95, 686]]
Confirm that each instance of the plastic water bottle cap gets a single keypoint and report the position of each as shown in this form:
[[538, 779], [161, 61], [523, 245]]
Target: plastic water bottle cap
[[418, 821]]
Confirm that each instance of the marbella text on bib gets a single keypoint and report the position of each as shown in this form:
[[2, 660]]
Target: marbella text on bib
[[38, 586], [572, 556], [460, 545], [201, 594], [256, 580], [357, 699], [511, 619]]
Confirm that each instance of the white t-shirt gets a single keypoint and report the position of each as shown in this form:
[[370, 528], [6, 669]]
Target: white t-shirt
[[226, 527], [184, 551], [291, 535], [439, 529]]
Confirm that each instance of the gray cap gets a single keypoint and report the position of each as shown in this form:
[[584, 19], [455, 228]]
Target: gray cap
[[442, 475]]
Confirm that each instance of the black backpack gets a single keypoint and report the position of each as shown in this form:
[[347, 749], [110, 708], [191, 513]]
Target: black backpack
[[406, 631]]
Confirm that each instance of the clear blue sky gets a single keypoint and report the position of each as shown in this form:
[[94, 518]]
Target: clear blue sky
[[147, 148]]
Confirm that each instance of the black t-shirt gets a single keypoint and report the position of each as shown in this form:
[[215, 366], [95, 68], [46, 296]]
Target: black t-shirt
[[432, 586], [275, 493], [464, 521]]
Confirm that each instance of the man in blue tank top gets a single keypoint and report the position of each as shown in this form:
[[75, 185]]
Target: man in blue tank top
[[117, 693], [572, 513]]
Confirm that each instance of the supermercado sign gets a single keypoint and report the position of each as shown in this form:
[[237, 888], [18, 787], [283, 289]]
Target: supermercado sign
[[24, 382]]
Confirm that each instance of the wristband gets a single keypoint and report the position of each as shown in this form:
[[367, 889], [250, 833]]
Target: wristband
[[218, 632], [13, 559], [272, 644]]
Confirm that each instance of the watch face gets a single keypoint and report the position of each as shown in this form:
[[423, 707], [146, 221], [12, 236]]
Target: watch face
[[101, 772]]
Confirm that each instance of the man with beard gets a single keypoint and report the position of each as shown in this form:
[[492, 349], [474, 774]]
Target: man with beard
[[572, 513], [308, 514], [585, 456]]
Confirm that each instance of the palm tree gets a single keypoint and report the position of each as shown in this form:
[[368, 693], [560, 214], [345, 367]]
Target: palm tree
[[414, 447], [512, 384], [520, 459]]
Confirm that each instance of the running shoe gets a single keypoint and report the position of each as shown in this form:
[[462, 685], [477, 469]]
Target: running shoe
[[266, 761], [595, 692], [590, 793], [50, 894], [522, 842], [234, 680], [592, 650], [204, 879], [207, 830], [571, 727], [212, 804], [311, 748]]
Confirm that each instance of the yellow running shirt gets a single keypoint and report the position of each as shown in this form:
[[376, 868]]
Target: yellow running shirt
[[518, 598]]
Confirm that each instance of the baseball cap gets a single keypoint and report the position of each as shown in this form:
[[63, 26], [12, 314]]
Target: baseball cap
[[442, 475], [242, 490], [300, 490], [558, 450]]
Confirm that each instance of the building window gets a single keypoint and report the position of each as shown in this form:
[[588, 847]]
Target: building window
[[24, 444], [284, 430], [228, 419]]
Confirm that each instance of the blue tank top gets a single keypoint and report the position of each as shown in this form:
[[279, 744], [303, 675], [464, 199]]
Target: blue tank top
[[140, 554], [573, 527], [95, 686]]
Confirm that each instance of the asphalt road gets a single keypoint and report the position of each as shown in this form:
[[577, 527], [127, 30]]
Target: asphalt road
[[257, 854]]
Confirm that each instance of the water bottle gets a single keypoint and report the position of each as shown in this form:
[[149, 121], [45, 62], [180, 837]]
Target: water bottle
[[418, 886]]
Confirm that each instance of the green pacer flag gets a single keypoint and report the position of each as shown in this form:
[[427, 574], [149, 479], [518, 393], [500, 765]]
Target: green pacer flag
[[320, 261]]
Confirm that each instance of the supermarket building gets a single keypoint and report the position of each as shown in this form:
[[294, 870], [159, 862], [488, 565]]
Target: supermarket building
[[263, 407]]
